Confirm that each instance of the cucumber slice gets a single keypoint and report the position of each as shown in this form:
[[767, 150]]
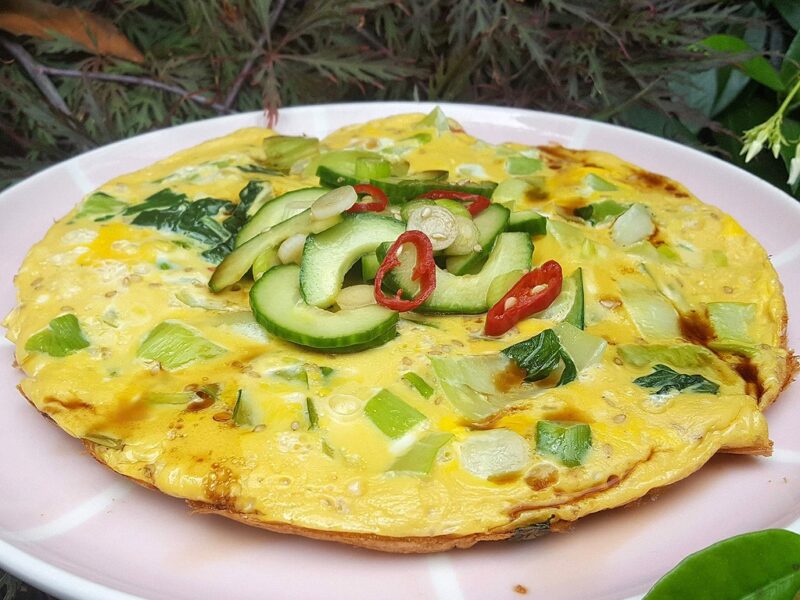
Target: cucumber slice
[[568, 306], [327, 256], [500, 286], [528, 221], [490, 223], [338, 168], [408, 187], [279, 307], [277, 210], [236, 264], [369, 266], [465, 294], [454, 206]]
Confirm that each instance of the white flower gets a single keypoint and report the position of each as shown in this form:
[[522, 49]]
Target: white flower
[[794, 166]]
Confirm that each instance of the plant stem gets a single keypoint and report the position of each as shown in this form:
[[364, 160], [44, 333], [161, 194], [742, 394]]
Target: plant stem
[[33, 69]]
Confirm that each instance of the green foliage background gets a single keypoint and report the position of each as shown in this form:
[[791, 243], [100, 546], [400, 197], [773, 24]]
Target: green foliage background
[[632, 62]]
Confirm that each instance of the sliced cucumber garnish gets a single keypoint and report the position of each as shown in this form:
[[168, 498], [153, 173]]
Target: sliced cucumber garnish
[[465, 294], [369, 266], [237, 263], [279, 307], [327, 256], [490, 223], [528, 221], [338, 168], [403, 189], [277, 210]]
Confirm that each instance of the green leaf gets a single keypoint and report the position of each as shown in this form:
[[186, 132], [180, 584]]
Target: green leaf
[[62, 337], [757, 67], [569, 442], [540, 355], [761, 564], [666, 380], [174, 345], [99, 205], [791, 61], [790, 11], [162, 199], [391, 415]]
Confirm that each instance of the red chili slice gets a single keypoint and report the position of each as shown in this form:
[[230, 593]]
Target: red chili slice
[[524, 299], [380, 200], [477, 202], [424, 272]]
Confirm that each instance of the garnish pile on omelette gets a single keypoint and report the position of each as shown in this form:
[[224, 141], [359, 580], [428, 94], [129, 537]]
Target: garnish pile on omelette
[[553, 333]]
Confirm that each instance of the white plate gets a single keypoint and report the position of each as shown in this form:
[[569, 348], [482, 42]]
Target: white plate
[[75, 529]]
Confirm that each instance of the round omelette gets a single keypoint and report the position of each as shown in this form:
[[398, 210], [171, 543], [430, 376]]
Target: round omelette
[[311, 403]]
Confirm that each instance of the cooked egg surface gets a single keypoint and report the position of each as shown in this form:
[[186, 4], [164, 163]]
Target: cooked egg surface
[[172, 426]]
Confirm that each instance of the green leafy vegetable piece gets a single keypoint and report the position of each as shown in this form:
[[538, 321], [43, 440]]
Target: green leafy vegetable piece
[[732, 320], [99, 206], [246, 413], [583, 348], [761, 564], [326, 371], [420, 457], [174, 345], [419, 384], [162, 199], [599, 212], [296, 373], [683, 356], [469, 383], [282, 151], [757, 67], [522, 165], [313, 416], [258, 169], [541, 355], [391, 415], [599, 184], [436, 118], [666, 380], [569, 442], [62, 337]]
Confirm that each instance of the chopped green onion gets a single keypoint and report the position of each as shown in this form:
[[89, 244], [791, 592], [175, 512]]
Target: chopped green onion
[[326, 371], [245, 412], [391, 415], [282, 151], [522, 165], [62, 337], [419, 384], [420, 457], [569, 442], [104, 440], [327, 449], [295, 373], [174, 345], [313, 416]]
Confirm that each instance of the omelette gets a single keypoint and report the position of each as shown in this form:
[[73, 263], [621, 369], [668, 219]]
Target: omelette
[[401, 337]]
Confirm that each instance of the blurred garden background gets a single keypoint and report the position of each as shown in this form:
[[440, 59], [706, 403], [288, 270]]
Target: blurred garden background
[[80, 74], [75, 75]]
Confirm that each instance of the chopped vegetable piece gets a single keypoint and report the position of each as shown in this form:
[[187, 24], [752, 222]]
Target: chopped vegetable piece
[[470, 383], [679, 355], [600, 212], [667, 380], [525, 298], [514, 190], [436, 118], [540, 355], [356, 296], [568, 306], [424, 271], [391, 415], [335, 202], [599, 184], [372, 168], [584, 348], [326, 371], [654, 315], [369, 266], [245, 412], [282, 151], [313, 416], [437, 223], [420, 457], [296, 373], [62, 337], [501, 285], [378, 203], [339, 167], [495, 454], [104, 440], [419, 384], [528, 221], [731, 320], [522, 165], [569, 442], [634, 225], [173, 345], [477, 202], [99, 206]]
